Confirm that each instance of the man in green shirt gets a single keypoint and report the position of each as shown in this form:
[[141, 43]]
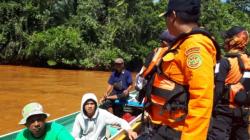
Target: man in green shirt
[[37, 129]]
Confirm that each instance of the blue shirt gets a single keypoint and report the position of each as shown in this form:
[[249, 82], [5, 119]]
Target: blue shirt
[[120, 81]]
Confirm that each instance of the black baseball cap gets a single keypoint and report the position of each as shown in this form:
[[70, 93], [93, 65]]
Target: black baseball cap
[[232, 31], [191, 7]]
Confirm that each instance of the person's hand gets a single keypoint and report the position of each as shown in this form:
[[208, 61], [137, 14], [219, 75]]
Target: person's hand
[[132, 135], [105, 95], [126, 92], [102, 99]]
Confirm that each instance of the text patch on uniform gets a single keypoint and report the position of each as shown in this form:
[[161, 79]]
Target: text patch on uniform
[[192, 50]]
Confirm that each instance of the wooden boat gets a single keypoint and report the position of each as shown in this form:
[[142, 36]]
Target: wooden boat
[[115, 134]]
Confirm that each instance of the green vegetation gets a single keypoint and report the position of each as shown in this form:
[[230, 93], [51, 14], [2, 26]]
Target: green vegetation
[[89, 34]]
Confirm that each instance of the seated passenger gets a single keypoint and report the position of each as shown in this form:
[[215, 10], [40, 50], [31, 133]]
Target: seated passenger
[[37, 129], [119, 84], [90, 123]]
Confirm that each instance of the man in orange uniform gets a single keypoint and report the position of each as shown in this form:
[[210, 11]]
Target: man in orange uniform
[[230, 116], [181, 98]]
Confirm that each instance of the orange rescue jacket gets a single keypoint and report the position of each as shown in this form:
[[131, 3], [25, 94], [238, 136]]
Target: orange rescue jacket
[[191, 65], [235, 74]]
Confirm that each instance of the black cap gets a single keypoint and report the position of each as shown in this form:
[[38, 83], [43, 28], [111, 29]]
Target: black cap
[[166, 36], [232, 31], [191, 7]]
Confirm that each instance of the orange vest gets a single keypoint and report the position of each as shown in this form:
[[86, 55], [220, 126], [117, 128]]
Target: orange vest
[[159, 52], [191, 64], [234, 76]]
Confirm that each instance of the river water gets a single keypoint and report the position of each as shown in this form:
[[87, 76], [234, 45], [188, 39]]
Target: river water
[[59, 91]]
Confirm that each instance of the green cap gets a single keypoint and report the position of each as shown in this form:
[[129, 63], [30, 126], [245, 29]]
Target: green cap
[[30, 110]]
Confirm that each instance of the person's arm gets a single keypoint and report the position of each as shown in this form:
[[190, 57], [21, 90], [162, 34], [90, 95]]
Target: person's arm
[[199, 72], [129, 80], [112, 97], [110, 85], [126, 91], [76, 130], [114, 120], [109, 90]]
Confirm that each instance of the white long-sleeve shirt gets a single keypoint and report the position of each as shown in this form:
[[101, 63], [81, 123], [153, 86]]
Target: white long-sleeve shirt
[[94, 128]]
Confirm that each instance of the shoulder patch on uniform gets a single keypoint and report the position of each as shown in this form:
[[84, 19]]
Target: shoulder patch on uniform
[[192, 50], [194, 60]]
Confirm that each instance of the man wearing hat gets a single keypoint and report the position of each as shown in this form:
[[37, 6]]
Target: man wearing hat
[[37, 129], [181, 97], [119, 85], [230, 116]]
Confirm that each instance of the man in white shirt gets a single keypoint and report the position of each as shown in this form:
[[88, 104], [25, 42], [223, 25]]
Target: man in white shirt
[[91, 122]]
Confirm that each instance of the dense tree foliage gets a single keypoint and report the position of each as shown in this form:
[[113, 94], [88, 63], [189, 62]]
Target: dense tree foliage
[[91, 33], [218, 17]]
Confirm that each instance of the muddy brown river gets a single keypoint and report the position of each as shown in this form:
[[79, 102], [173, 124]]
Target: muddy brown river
[[59, 91]]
